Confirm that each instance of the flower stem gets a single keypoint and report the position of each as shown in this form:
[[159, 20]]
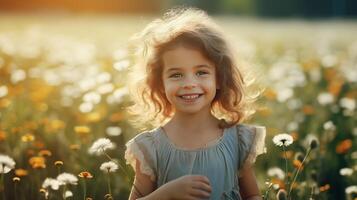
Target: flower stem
[[312, 192], [267, 192], [298, 170], [15, 192], [286, 169], [3, 183], [109, 188], [126, 173], [64, 192], [84, 190], [58, 170]]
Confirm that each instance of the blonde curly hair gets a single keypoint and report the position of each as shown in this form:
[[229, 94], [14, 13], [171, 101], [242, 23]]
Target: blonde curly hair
[[194, 28]]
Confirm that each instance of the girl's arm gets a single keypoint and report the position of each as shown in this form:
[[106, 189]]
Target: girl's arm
[[193, 187], [142, 184], [248, 185]]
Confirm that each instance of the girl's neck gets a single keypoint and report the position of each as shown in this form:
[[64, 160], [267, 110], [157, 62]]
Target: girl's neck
[[193, 122], [201, 129]]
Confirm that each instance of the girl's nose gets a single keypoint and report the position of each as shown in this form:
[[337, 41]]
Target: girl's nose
[[189, 86], [189, 82]]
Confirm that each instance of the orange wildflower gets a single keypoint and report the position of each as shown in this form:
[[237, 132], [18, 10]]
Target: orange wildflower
[[37, 162], [28, 137], [21, 172], [297, 164], [308, 110], [85, 174], [116, 117], [344, 146], [324, 188], [81, 130], [93, 117], [74, 146], [335, 87], [44, 153], [279, 182], [270, 94], [2, 136]]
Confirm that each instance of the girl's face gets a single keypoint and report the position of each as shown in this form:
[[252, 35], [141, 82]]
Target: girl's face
[[189, 80]]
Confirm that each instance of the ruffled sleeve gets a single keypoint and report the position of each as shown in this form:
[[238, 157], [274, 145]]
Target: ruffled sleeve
[[142, 148], [251, 143]]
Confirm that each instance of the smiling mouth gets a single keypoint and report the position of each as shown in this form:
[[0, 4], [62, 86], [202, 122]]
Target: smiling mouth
[[190, 96]]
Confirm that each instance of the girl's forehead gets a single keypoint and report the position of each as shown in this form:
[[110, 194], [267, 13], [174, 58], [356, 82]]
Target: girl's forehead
[[182, 56]]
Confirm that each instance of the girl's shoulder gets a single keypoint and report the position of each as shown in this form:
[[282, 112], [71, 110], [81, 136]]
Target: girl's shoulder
[[145, 136], [143, 148], [251, 142]]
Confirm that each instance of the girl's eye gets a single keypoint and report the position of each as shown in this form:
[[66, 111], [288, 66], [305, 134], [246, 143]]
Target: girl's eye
[[176, 75], [201, 73]]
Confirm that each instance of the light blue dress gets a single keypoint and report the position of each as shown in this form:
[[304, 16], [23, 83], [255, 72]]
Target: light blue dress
[[219, 162]]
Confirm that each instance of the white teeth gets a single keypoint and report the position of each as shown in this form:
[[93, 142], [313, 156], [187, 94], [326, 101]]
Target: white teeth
[[190, 96]]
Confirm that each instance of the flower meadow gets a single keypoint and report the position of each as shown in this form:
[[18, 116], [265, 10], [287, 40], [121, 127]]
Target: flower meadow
[[63, 99]]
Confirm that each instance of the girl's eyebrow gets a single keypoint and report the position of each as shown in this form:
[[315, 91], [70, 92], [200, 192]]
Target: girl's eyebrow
[[197, 67]]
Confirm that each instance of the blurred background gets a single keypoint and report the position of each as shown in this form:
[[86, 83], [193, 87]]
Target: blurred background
[[63, 78]]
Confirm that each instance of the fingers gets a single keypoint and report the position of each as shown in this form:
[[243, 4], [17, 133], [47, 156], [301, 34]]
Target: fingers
[[201, 179], [202, 186], [200, 193]]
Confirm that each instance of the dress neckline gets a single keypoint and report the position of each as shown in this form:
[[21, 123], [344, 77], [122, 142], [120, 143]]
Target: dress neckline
[[211, 144]]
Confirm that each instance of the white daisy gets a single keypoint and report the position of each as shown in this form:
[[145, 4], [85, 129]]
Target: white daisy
[[346, 171], [3, 91], [276, 172], [101, 145], [329, 126], [348, 103], [311, 141], [6, 164], [276, 186], [113, 131], [283, 139], [18, 75], [109, 166], [351, 189], [121, 65], [68, 194], [50, 182], [325, 98], [67, 178]]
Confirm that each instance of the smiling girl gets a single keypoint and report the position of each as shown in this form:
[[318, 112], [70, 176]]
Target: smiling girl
[[194, 93]]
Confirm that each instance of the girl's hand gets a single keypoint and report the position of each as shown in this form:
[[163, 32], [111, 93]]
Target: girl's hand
[[189, 187]]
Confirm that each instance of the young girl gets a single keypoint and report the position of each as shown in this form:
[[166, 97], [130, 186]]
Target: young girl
[[195, 94]]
